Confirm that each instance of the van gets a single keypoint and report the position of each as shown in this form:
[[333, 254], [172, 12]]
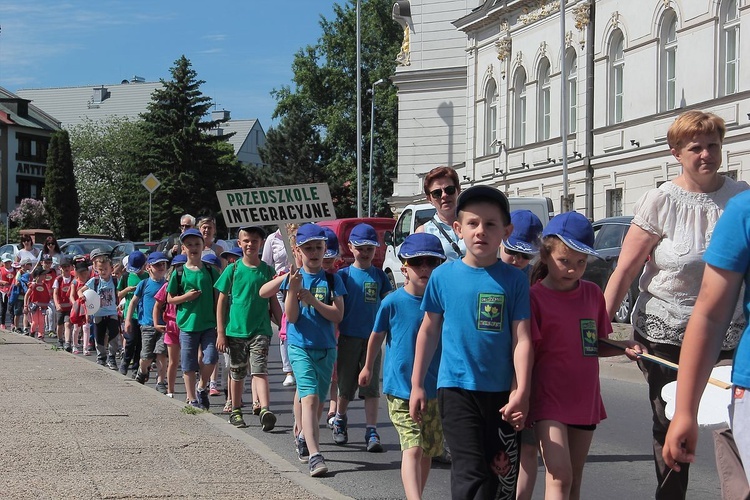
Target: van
[[414, 216], [342, 228]]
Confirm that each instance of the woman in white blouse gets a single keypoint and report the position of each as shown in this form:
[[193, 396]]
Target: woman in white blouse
[[671, 227]]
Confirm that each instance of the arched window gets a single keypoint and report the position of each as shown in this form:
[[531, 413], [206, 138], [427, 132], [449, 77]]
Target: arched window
[[490, 118], [519, 108], [544, 101], [730, 46], [571, 63], [668, 66], [616, 76]]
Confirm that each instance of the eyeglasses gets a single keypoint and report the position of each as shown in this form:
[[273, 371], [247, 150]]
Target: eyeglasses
[[449, 190], [423, 261], [517, 255]]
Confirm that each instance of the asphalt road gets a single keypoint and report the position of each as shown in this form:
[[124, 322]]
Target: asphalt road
[[619, 464]]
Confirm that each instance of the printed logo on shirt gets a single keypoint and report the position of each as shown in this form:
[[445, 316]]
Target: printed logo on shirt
[[589, 338], [320, 293], [739, 392], [371, 292], [490, 314]]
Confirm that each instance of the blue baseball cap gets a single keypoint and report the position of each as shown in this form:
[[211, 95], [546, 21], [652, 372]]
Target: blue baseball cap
[[136, 261], [310, 232], [253, 229], [211, 259], [332, 244], [155, 258], [421, 245], [363, 234], [483, 192], [179, 259], [190, 232], [574, 230], [232, 252], [526, 231]]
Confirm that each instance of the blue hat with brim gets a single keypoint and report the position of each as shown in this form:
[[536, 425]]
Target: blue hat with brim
[[332, 244], [482, 192], [527, 228], [190, 232], [179, 259], [574, 230], [155, 258], [211, 259], [310, 232], [254, 229], [363, 234], [421, 245], [232, 252], [136, 261]]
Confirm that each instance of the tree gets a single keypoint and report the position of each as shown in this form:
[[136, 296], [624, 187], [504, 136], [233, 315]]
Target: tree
[[182, 151], [59, 192], [325, 95], [30, 213]]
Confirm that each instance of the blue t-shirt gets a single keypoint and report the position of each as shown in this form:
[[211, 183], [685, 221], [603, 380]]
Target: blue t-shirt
[[478, 306], [365, 288], [312, 330], [400, 317], [107, 296], [730, 250], [145, 290]]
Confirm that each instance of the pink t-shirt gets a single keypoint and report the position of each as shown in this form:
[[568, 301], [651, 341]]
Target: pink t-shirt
[[566, 327], [172, 335]]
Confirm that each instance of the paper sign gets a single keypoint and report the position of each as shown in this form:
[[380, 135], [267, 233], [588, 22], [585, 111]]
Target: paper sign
[[273, 205]]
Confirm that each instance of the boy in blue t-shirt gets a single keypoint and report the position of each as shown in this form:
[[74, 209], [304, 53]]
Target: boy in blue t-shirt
[[397, 323], [366, 285], [106, 320], [313, 307], [142, 307], [479, 307]]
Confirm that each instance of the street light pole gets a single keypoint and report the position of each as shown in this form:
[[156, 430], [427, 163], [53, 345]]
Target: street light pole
[[359, 118], [372, 142]]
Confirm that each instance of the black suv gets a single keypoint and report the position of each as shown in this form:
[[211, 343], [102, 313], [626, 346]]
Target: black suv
[[609, 234]]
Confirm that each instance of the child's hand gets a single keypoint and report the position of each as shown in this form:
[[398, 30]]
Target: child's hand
[[516, 411], [127, 325], [364, 377], [417, 404], [306, 296], [160, 328], [221, 342], [193, 294], [295, 281]]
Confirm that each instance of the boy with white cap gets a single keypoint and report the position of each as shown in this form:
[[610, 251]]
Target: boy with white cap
[[7, 273]]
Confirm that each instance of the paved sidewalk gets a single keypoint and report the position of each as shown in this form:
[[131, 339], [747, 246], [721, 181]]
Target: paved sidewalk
[[73, 429]]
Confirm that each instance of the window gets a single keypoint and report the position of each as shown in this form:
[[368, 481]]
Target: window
[[24, 148], [668, 67], [616, 74], [544, 102], [571, 63], [490, 119], [614, 202], [519, 108], [730, 46], [403, 227]]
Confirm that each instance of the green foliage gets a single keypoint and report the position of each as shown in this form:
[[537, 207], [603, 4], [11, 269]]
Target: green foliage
[[30, 214], [317, 135], [59, 193]]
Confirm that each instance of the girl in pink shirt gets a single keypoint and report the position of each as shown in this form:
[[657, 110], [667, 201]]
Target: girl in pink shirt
[[37, 302]]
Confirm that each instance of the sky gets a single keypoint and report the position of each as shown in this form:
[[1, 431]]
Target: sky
[[242, 49]]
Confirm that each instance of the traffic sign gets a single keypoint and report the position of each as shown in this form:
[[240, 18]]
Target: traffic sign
[[151, 183]]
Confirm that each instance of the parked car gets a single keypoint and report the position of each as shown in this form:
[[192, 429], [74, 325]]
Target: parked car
[[127, 247], [414, 216], [84, 246], [609, 234], [13, 248], [342, 228]]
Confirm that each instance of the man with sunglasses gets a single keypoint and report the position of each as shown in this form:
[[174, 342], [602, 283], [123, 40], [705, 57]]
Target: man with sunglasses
[[172, 247], [523, 243], [441, 186]]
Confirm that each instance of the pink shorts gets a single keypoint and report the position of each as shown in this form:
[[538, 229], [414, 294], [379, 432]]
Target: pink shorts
[[172, 335]]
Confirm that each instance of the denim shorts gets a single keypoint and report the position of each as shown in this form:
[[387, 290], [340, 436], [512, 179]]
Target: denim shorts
[[191, 341], [312, 370]]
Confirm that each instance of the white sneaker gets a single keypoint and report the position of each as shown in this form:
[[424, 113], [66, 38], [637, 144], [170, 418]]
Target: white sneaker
[[289, 381], [170, 395]]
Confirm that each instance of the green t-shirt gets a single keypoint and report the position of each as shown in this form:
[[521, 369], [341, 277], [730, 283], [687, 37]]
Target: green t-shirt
[[248, 312], [133, 280], [199, 314]]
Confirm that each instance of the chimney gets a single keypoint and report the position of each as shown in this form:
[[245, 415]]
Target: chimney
[[219, 114], [137, 79], [100, 93], [16, 105]]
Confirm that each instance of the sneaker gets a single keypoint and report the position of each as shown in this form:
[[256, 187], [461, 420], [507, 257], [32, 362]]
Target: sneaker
[[267, 420], [111, 364], [76, 350], [444, 457], [303, 454], [141, 377], [86, 352], [161, 387], [203, 398], [340, 436], [372, 439], [26, 331], [170, 395], [330, 418], [68, 347], [318, 466], [213, 390], [227, 407], [124, 369], [236, 419], [256, 407], [51, 334], [101, 362], [40, 336], [195, 404], [289, 381]]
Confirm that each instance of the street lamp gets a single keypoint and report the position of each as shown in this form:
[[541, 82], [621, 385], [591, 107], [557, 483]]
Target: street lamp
[[372, 142]]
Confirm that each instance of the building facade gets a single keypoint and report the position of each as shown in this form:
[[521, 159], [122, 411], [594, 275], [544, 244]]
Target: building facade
[[617, 75]]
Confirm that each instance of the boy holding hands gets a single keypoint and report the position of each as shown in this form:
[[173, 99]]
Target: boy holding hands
[[247, 333], [479, 307], [397, 323]]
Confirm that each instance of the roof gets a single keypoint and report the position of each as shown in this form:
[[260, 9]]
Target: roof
[[241, 129], [71, 105], [35, 118]]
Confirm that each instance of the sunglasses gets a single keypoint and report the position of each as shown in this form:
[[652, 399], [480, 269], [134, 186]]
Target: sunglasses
[[423, 261], [517, 255], [449, 190]]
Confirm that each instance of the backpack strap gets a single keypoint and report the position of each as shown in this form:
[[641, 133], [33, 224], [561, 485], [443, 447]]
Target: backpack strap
[[331, 283], [452, 242]]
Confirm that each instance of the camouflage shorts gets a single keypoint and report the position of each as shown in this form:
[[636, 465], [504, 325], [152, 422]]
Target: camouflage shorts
[[243, 352], [428, 435]]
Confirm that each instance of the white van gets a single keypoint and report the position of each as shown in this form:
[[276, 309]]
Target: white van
[[414, 216]]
